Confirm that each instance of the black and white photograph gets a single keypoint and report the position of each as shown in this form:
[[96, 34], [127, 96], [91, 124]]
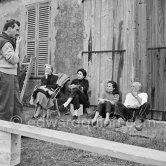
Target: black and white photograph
[[82, 82]]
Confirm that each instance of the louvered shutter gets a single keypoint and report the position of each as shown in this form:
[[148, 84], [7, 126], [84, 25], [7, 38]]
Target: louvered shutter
[[38, 19], [43, 37], [31, 34]]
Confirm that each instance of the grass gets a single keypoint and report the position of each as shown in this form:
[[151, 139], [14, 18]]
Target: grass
[[35, 152]]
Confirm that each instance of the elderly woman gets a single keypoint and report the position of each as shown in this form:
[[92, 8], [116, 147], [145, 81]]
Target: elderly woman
[[41, 97], [134, 101], [78, 93]]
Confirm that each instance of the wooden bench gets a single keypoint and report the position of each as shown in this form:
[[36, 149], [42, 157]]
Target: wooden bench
[[10, 145]]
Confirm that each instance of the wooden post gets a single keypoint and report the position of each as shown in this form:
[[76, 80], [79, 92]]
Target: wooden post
[[10, 149]]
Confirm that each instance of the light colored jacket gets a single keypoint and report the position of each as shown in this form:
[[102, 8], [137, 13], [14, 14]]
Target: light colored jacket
[[8, 59]]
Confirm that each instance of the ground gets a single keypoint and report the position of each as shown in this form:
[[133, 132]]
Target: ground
[[35, 152]]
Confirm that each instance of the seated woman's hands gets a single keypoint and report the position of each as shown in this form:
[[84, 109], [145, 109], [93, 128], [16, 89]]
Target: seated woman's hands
[[104, 100], [72, 86], [112, 102], [100, 100]]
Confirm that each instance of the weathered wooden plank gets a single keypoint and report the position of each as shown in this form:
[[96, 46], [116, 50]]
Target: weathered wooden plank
[[109, 44], [157, 78], [93, 62], [10, 149], [154, 70], [104, 35], [87, 30], [28, 74], [124, 80], [149, 52], [164, 81], [104, 147], [118, 59], [149, 82], [86, 33], [150, 12], [141, 57], [130, 41], [164, 5], [115, 39], [95, 79], [161, 80], [161, 20]]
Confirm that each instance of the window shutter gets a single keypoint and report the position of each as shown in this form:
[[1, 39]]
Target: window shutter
[[31, 34], [43, 37], [38, 20]]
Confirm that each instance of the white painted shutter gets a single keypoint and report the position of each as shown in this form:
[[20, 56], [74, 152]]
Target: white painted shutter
[[38, 20], [43, 37], [31, 34]]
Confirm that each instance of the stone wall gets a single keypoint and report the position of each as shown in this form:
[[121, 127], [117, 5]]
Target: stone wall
[[14, 9]]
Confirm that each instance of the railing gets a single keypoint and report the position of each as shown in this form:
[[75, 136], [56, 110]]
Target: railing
[[10, 145]]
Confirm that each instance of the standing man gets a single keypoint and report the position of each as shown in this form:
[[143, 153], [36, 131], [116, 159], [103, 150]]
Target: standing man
[[10, 105]]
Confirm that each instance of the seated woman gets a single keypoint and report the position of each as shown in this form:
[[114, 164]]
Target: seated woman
[[134, 101], [41, 97], [78, 93], [106, 105]]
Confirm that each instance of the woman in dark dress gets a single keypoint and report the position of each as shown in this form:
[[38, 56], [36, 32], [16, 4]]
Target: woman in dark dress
[[78, 93], [41, 96]]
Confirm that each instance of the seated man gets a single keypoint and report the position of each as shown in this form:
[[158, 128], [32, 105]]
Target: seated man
[[134, 101]]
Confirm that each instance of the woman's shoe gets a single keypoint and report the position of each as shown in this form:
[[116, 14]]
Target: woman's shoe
[[36, 117], [44, 117], [75, 117], [93, 123], [106, 123], [62, 108]]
